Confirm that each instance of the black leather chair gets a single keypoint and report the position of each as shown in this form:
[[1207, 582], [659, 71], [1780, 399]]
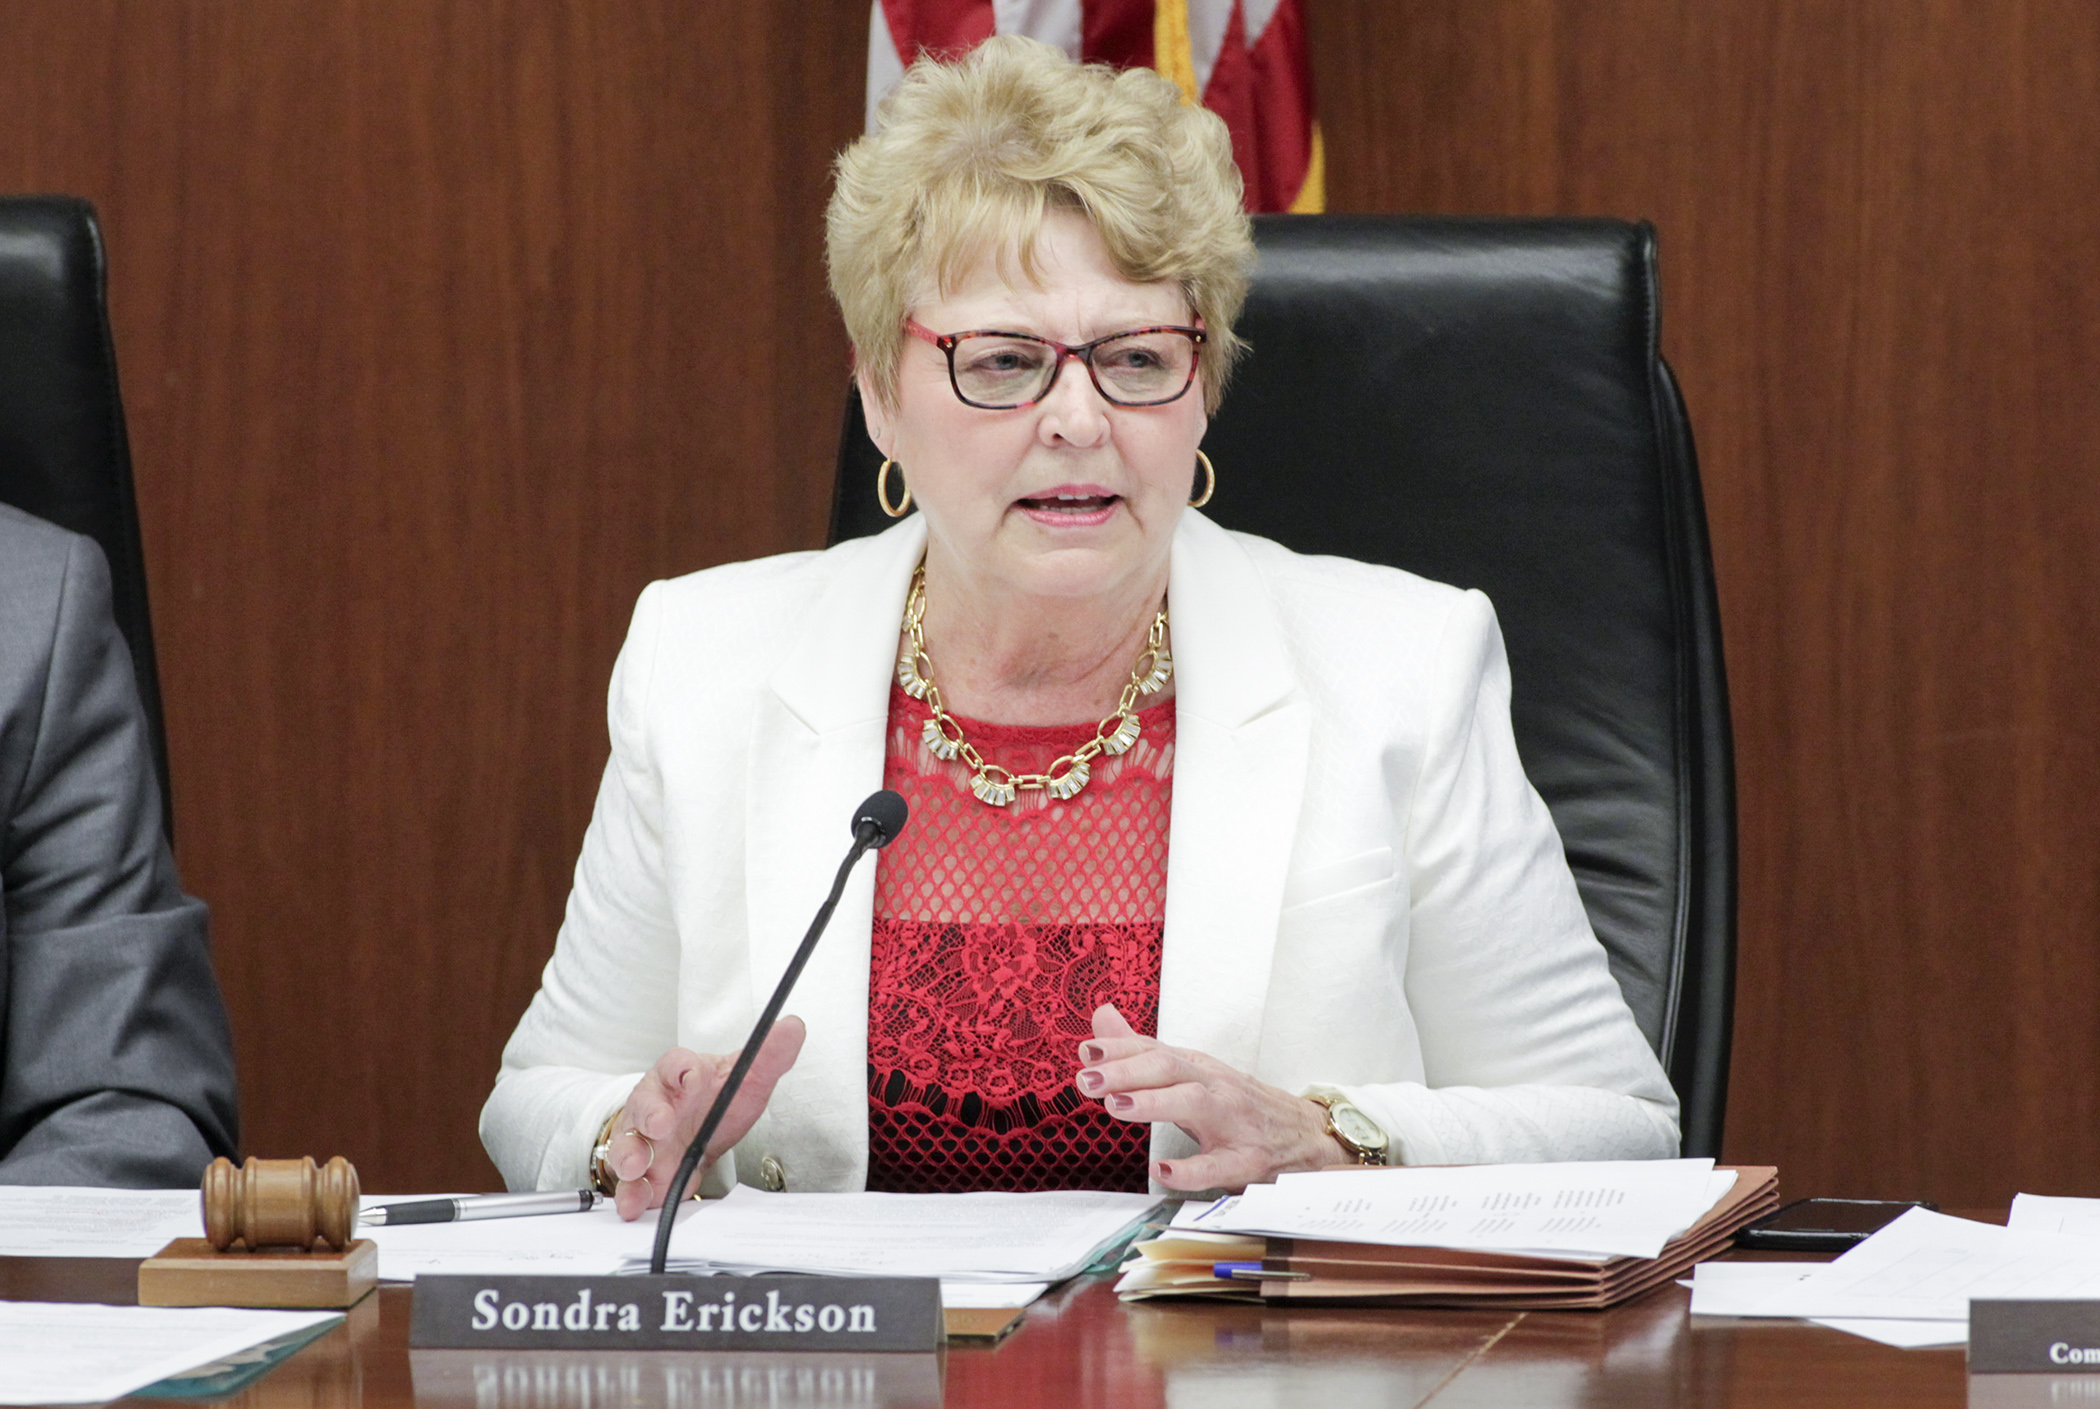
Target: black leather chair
[[1484, 402], [63, 453]]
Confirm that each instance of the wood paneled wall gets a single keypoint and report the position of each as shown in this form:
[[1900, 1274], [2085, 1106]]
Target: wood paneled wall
[[1880, 223], [446, 324]]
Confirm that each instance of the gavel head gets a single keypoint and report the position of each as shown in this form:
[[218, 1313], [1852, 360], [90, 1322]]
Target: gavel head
[[280, 1203]]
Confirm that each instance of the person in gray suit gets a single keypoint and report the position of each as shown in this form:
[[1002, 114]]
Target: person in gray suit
[[116, 1064]]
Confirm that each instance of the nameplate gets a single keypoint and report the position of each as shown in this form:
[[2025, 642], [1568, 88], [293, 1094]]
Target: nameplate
[[2034, 1337], [515, 1312]]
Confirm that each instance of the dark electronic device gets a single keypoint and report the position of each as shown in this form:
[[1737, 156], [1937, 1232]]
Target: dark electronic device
[[1825, 1225]]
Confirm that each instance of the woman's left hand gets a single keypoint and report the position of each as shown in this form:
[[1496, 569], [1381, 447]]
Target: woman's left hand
[[1248, 1130]]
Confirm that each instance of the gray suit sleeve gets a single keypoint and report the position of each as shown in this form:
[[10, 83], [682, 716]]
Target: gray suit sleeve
[[116, 1064]]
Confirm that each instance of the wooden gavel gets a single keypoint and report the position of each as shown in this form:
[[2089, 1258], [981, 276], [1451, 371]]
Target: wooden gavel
[[280, 1203]]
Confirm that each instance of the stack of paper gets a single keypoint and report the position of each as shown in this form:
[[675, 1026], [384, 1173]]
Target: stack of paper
[[1509, 1236], [1911, 1283], [983, 1237], [998, 1250], [990, 1251], [1616, 1208]]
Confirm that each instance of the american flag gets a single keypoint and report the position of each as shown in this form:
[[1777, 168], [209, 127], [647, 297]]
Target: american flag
[[1243, 59]]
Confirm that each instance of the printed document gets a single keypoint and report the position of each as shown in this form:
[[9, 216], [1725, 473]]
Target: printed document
[[1733, 1288], [558, 1244], [1581, 1211], [981, 1237], [66, 1353], [54, 1221], [1926, 1266], [2041, 1213]]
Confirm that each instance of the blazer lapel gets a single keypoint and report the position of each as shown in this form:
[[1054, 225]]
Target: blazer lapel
[[1242, 730], [816, 752]]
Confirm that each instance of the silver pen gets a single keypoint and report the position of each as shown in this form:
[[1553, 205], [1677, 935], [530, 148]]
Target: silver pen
[[471, 1206]]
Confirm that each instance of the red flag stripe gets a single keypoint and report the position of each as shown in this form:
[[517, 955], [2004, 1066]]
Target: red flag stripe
[[1282, 139], [1117, 32], [944, 28], [1231, 96]]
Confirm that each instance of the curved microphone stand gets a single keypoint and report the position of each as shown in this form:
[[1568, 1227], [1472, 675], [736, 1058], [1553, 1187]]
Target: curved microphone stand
[[875, 825]]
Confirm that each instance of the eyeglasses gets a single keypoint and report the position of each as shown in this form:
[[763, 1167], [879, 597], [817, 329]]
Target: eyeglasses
[[1001, 371]]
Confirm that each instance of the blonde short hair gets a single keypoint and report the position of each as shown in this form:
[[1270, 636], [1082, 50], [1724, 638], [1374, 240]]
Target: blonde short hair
[[969, 157]]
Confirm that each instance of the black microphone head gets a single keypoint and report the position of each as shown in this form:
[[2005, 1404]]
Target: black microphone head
[[884, 812]]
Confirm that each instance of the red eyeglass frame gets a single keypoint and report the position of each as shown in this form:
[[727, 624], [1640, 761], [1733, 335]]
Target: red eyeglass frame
[[947, 343]]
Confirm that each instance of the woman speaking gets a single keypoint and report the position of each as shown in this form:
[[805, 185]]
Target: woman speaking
[[1221, 862]]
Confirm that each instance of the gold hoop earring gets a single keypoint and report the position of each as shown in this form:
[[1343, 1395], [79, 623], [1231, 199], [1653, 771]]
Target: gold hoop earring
[[882, 492], [1210, 482]]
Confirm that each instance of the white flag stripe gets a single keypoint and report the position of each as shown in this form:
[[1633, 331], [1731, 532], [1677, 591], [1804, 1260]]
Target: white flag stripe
[[1258, 13], [1052, 21], [885, 69], [1208, 20]]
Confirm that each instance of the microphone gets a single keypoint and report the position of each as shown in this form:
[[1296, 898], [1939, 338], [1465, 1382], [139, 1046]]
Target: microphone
[[883, 816], [876, 823]]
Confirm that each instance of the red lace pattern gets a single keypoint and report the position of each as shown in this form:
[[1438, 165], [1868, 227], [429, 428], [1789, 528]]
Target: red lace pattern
[[998, 932]]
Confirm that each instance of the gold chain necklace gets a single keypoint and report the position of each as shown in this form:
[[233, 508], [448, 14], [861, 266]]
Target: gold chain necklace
[[993, 785]]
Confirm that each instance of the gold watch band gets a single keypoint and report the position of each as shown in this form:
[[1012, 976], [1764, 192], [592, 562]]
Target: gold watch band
[[1377, 1154], [602, 1177]]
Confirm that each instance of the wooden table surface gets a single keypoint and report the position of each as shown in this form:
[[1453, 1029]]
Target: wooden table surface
[[1080, 1347]]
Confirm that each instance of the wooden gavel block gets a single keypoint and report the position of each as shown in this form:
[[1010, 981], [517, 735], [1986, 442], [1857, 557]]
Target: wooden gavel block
[[296, 1225]]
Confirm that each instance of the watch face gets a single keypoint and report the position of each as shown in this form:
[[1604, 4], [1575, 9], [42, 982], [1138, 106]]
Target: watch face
[[1357, 1128]]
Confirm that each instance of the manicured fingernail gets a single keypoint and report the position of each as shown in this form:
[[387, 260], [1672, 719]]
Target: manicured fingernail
[[1166, 1171], [1091, 1052], [1091, 1081], [1121, 1102]]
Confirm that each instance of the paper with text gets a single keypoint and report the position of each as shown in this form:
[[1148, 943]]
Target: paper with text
[[2044, 1213], [993, 1237], [1926, 1266], [1731, 1288], [1727, 1288], [68, 1222], [558, 1244], [1587, 1210], [53, 1353]]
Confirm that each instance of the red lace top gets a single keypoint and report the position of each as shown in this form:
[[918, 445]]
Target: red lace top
[[998, 932]]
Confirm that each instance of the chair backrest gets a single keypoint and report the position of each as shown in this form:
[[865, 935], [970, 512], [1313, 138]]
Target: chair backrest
[[1484, 402], [63, 453]]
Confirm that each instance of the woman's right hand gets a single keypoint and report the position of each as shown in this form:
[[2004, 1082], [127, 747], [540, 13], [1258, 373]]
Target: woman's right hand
[[664, 1111]]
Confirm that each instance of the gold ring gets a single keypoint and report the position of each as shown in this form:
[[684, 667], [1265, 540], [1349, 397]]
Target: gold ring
[[630, 1130]]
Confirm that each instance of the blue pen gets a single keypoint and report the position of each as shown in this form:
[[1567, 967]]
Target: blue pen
[[1252, 1272]]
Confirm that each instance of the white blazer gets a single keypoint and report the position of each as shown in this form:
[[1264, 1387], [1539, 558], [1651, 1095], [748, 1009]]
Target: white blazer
[[1364, 893]]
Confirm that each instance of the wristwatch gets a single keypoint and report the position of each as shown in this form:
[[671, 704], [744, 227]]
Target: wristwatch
[[602, 1178], [1361, 1137]]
